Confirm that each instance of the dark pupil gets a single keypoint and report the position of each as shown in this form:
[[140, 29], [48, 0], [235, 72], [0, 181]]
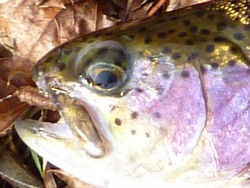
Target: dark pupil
[[106, 79]]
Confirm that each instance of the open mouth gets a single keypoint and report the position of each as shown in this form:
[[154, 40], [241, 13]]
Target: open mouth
[[86, 129], [77, 115]]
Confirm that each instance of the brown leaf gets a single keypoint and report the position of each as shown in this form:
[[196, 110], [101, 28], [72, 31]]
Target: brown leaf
[[36, 29], [29, 29], [12, 108]]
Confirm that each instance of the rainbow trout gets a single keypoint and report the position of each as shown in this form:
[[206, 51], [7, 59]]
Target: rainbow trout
[[164, 101]]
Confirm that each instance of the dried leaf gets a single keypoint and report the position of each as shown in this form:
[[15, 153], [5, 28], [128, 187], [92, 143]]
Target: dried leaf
[[12, 108], [29, 29]]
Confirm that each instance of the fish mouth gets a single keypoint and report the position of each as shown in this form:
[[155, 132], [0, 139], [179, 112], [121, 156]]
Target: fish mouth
[[90, 133], [83, 122], [55, 142]]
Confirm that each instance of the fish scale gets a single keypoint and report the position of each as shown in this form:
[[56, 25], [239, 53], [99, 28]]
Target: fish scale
[[160, 101]]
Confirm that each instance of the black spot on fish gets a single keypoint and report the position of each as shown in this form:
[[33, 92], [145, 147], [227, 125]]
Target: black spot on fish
[[204, 32], [222, 10], [189, 42], [133, 132], [96, 35], [233, 49], [238, 36], [67, 51], [117, 61], [160, 21], [49, 59], [139, 90], [157, 115], [148, 40], [166, 50], [237, 9], [109, 34], [147, 135], [185, 74], [61, 66], [172, 31], [193, 29], [77, 48], [118, 121], [131, 37], [176, 56], [192, 56], [186, 22], [174, 18], [199, 14], [209, 48], [182, 34], [166, 75], [219, 39], [88, 61], [203, 69], [215, 65], [82, 39], [211, 16], [134, 115], [102, 51], [142, 29], [231, 63], [161, 35], [221, 26]]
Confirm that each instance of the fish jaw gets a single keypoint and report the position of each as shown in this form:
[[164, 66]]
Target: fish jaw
[[56, 142]]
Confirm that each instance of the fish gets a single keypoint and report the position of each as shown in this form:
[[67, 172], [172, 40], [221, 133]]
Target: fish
[[163, 101]]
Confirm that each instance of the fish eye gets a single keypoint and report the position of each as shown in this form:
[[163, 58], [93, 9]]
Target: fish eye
[[105, 76], [104, 67]]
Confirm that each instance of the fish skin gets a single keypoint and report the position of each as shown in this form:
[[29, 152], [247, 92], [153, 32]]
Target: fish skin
[[176, 107]]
